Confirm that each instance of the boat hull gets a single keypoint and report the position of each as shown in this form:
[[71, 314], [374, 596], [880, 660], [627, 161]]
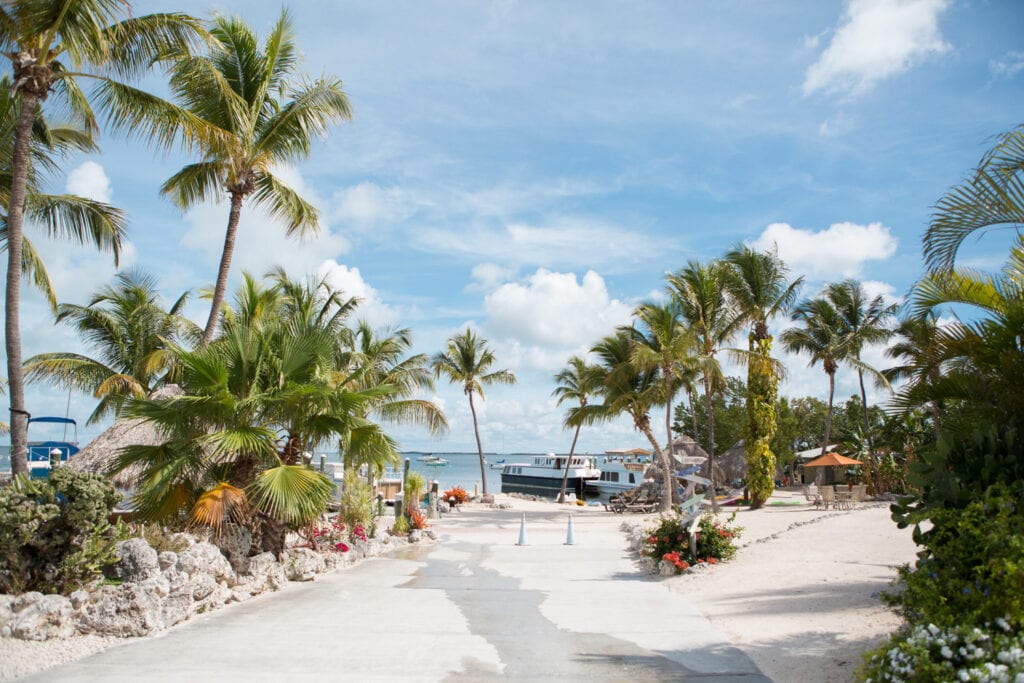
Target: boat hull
[[543, 486]]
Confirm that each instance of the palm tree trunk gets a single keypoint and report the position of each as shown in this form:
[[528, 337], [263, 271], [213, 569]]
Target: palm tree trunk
[[479, 445], [12, 297], [711, 443], [565, 475], [864, 407], [666, 498], [693, 413], [828, 415], [221, 287], [670, 483]]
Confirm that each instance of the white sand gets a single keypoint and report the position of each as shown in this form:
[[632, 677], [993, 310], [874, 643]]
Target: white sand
[[801, 597]]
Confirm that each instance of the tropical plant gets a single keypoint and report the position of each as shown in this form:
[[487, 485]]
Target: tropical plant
[[50, 43], [132, 337], [249, 109], [992, 198], [917, 347], [863, 322], [701, 291], [468, 361], [577, 382], [758, 286], [821, 338]]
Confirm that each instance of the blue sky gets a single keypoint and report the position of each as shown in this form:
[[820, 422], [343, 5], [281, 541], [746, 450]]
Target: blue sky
[[532, 169]]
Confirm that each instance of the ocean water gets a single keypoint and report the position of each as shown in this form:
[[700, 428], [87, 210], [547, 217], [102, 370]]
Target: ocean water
[[5, 458]]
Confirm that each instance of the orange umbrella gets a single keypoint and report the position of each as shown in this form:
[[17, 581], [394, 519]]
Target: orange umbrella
[[832, 460]]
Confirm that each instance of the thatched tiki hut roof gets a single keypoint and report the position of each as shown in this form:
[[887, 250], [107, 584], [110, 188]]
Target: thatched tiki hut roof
[[99, 455], [734, 461]]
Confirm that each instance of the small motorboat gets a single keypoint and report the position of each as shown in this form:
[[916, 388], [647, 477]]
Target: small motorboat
[[44, 454], [434, 461], [498, 464]]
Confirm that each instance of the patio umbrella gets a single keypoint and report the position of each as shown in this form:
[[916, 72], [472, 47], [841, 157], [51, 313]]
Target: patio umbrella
[[832, 460]]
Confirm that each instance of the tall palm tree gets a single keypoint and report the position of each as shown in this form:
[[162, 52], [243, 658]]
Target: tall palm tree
[[820, 336], [468, 361], [662, 342], [132, 337], [917, 346], [250, 110], [49, 42], [759, 288], [577, 382], [992, 198], [863, 322], [702, 295]]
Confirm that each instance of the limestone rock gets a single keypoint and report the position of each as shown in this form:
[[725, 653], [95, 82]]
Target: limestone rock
[[138, 560], [234, 542], [167, 559], [302, 564], [415, 536], [205, 558], [666, 568], [431, 534], [265, 572], [175, 608], [45, 618], [79, 598], [201, 586], [6, 615], [130, 609]]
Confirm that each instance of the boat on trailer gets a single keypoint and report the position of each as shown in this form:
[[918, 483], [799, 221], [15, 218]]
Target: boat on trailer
[[543, 476], [43, 454]]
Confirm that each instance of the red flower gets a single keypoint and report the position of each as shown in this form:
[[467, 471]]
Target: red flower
[[712, 560], [341, 547]]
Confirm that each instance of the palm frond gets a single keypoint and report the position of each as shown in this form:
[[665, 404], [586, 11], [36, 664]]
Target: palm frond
[[293, 494]]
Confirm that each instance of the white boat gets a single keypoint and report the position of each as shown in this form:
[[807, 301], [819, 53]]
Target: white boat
[[621, 470], [543, 476], [434, 461]]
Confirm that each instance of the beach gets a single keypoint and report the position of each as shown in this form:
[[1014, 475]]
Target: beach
[[798, 603]]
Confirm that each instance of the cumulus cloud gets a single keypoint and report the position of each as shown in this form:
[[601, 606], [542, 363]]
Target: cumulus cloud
[[487, 276], [367, 205], [89, 180], [878, 39], [549, 316], [840, 250], [351, 282], [1007, 66]]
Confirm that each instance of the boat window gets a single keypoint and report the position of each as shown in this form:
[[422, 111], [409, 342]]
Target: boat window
[[632, 478]]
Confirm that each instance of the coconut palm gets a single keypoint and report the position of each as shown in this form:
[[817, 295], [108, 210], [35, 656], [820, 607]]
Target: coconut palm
[[49, 43], [577, 382], [758, 286], [990, 199], [131, 336], [467, 361], [863, 322], [820, 336], [250, 109], [917, 346], [701, 292], [663, 343]]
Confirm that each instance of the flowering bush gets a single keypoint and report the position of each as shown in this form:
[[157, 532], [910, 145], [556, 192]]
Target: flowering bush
[[670, 541], [458, 493], [992, 652], [331, 534], [417, 520]]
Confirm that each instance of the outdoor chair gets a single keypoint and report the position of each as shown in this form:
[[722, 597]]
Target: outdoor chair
[[828, 496]]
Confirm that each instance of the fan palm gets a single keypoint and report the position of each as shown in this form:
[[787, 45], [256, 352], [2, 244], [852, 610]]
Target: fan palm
[[250, 109], [48, 42], [577, 382], [664, 344], [468, 361], [132, 337], [992, 198], [863, 322], [701, 292]]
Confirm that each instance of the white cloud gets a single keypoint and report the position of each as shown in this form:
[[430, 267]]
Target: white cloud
[[550, 316], [366, 205], [89, 180], [879, 39], [351, 282], [839, 251], [487, 276], [1007, 66]]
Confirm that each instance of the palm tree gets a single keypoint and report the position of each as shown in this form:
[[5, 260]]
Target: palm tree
[[821, 337], [992, 198], [918, 348], [132, 337], [234, 97], [701, 293], [468, 361], [577, 382], [758, 286], [49, 42], [863, 322], [663, 343]]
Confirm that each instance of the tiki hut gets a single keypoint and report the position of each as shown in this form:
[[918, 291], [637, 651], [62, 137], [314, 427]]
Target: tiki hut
[[734, 462], [99, 455]]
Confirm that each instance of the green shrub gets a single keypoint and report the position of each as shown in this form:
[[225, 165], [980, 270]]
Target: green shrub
[[54, 534], [401, 526], [926, 653], [357, 502], [158, 537], [714, 540], [971, 570]]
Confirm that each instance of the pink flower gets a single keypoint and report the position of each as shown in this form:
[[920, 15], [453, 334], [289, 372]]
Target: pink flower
[[341, 547]]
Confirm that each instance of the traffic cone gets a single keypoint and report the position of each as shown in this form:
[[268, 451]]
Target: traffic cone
[[522, 531], [569, 538]]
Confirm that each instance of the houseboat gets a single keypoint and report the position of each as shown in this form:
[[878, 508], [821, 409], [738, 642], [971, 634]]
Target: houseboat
[[543, 476], [621, 470]]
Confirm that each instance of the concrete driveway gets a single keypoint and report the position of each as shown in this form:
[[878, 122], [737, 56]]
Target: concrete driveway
[[474, 607]]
